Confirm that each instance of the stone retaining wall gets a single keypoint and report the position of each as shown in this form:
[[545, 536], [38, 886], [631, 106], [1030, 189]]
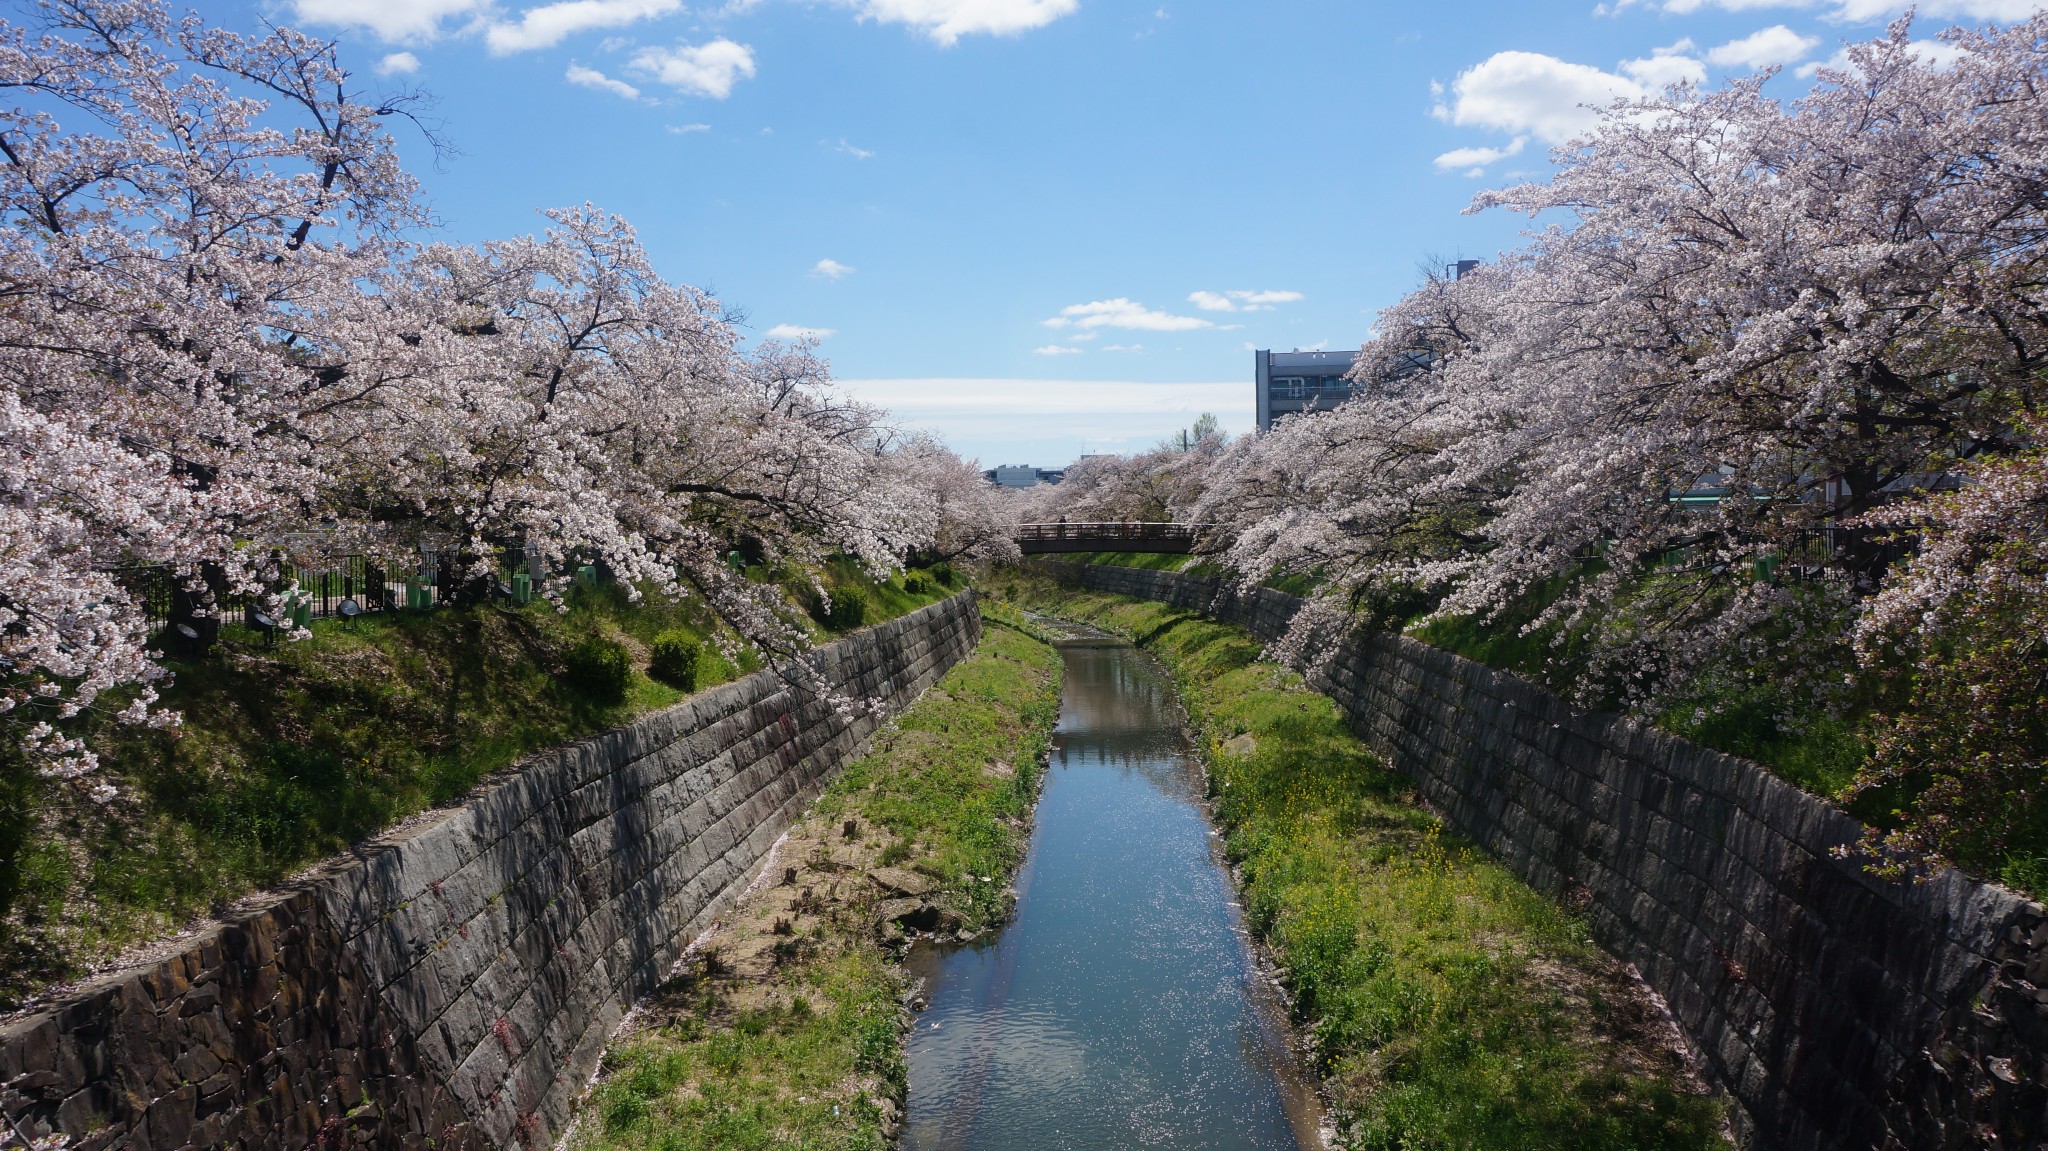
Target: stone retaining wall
[[452, 984], [1838, 1011]]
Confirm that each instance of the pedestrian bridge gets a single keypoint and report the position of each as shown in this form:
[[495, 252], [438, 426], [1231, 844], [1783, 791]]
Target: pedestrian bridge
[[1041, 539]]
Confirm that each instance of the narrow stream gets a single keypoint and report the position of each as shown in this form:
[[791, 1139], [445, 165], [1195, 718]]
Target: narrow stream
[[1121, 1007]]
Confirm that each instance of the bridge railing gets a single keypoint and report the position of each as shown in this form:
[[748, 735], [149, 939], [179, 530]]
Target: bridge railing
[[1129, 537]]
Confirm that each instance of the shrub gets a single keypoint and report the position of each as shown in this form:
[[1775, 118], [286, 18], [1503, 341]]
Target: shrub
[[943, 572], [847, 610], [916, 584], [674, 660], [599, 669]]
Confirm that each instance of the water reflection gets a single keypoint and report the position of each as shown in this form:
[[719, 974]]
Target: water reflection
[[1120, 1008]]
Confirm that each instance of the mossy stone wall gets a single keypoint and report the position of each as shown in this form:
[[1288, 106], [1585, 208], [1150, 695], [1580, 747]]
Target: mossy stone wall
[[1837, 1010], [452, 983]]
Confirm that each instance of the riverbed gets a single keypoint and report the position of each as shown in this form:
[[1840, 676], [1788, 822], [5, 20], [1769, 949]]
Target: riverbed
[[1122, 1005]]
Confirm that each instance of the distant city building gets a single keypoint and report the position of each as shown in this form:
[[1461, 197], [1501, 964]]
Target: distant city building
[[1290, 382], [1298, 381], [1023, 475]]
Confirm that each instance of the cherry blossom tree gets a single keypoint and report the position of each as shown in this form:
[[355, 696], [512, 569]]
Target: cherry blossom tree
[[220, 336], [975, 519], [1160, 484], [1963, 631], [556, 393], [1744, 326], [177, 200]]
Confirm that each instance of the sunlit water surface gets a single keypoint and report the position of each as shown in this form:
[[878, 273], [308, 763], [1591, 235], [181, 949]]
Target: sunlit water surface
[[1121, 1006]]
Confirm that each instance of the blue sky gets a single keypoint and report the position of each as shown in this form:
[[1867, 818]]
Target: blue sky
[[1043, 227]]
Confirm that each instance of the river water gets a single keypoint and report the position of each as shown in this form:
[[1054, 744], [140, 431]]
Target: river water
[[1121, 1006]]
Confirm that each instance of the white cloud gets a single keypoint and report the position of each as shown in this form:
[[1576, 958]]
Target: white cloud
[[1764, 48], [401, 21], [1242, 301], [1839, 61], [921, 399], [687, 129], [592, 78], [1050, 421], [398, 64], [850, 150], [947, 20], [2004, 11], [1530, 92], [1126, 314], [1682, 7], [796, 332], [1123, 347], [550, 24], [1663, 67], [1055, 350], [830, 269], [699, 69], [1935, 52], [1476, 159]]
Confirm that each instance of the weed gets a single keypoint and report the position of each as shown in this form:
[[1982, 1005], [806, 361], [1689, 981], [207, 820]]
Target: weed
[[673, 658], [600, 669]]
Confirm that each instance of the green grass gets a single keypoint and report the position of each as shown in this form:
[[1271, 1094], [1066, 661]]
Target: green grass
[[290, 753], [807, 1073], [950, 783], [955, 780], [1807, 747], [1802, 743], [1156, 561], [1448, 1005]]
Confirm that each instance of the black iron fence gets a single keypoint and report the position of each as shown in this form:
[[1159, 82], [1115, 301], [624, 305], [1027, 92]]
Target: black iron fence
[[1819, 552], [338, 588], [1831, 552]]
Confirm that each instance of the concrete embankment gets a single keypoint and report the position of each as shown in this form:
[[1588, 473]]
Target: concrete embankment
[[452, 983], [1837, 1010]]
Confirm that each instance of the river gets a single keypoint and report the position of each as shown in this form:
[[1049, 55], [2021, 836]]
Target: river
[[1121, 1006]]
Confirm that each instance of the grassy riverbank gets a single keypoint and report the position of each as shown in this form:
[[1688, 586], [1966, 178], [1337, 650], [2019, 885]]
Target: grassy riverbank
[[293, 751], [1448, 1005], [786, 1031], [1818, 747], [1156, 561]]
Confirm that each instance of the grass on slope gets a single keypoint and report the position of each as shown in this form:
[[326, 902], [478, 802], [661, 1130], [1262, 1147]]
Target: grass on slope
[[1448, 1005], [808, 1053], [291, 752], [1806, 745], [1156, 561]]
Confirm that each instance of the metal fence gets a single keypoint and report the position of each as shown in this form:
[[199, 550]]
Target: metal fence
[[422, 580], [1831, 552], [1812, 554]]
